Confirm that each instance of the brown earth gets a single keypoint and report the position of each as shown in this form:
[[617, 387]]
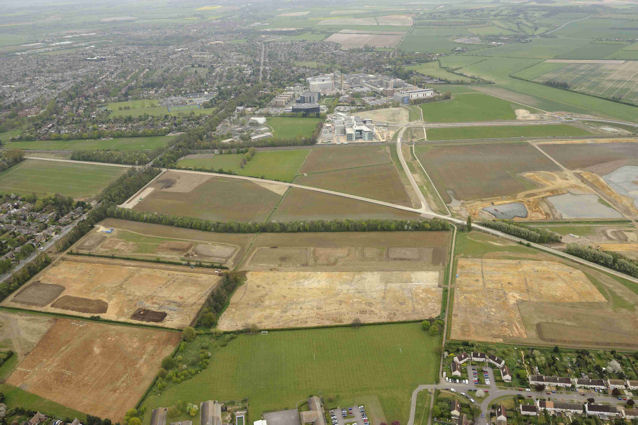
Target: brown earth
[[381, 182], [330, 158], [20, 332], [582, 155], [525, 301], [547, 184], [482, 170], [210, 198], [300, 204], [165, 242], [81, 305], [126, 286], [352, 39], [358, 251], [144, 315], [38, 294], [96, 368], [270, 300]]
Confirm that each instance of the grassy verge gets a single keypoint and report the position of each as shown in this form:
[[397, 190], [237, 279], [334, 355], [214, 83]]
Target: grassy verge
[[422, 410]]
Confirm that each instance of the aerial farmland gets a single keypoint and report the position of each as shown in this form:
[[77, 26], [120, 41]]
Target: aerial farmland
[[312, 213]]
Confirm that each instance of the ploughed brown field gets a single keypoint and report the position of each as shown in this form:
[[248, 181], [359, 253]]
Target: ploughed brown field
[[171, 296], [100, 369]]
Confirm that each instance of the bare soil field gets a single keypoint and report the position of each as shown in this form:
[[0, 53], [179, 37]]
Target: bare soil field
[[20, 332], [381, 182], [395, 20], [272, 300], [357, 251], [114, 290], [151, 241], [482, 170], [330, 158], [393, 115], [515, 300], [211, 198], [348, 21], [300, 204], [352, 39], [96, 368], [591, 155]]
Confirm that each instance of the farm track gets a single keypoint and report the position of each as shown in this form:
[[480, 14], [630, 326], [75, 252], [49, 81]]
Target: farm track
[[421, 212]]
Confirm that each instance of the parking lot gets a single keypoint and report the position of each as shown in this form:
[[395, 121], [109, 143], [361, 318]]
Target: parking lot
[[355, 415]]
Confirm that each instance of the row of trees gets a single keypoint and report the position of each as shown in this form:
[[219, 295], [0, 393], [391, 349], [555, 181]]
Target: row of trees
[[285, 227], [21, 276], [116, 157], [10, 157], [533, 235], [27, 136], [219, 298], [613, 260], [247, 157]]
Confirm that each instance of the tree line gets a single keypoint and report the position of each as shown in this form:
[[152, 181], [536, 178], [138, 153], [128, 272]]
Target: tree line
[[281, 227], [612, 260], [116, 157], [535, 235], [219, 298], [10, 157]]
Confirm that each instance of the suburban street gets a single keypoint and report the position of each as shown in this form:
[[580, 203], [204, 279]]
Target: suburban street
[[37, 252], [494, 393]]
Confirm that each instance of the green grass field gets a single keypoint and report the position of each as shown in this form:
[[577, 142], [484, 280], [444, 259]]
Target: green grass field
[[121, 144], [136, 108], [557, 130], [466, 107], [275, 165], [15, 397], [433, 69], [48, 177], [280, 369], [292, 127]]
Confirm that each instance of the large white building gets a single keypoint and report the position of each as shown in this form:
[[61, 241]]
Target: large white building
[[324, 84], [407, 95]]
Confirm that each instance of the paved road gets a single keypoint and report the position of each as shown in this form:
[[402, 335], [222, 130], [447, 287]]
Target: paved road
[[415, 187], [453, 220]]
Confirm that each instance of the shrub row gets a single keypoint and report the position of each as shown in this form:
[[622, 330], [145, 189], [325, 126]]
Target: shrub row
[[533, 235], [613, 260], [285, 227]]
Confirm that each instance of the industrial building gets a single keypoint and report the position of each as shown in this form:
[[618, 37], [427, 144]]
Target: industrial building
[[309, 97], [324, 84], [405, 97]]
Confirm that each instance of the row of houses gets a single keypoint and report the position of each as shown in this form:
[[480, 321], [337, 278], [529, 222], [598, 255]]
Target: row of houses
[[603, 411], [479, 357], [597, 384]]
